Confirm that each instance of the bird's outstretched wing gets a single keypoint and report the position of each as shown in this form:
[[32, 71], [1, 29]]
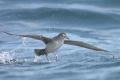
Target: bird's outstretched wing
[[83, 44], [37, 37]]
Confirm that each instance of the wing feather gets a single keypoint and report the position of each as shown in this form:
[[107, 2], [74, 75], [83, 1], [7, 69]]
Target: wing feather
[[83, 44], [37, 37]]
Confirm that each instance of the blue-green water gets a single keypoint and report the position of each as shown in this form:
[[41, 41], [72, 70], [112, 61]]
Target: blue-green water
[[93, 21]]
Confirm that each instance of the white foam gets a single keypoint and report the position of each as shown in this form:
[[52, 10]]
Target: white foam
[[5, 58], [8, 57]]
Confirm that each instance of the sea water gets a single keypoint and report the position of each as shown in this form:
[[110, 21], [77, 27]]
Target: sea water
[[96, 22]]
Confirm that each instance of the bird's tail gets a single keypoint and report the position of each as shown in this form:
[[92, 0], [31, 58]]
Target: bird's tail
[[40, 52]]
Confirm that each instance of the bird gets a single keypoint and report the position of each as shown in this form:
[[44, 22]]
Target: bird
[[54, 43]]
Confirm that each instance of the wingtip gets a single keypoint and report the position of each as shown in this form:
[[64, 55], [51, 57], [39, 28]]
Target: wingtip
[[6, 32], [10, 33], [103, 50]]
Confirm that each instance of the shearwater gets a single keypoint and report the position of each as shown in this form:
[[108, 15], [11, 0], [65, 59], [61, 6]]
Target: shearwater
[[54, 43]]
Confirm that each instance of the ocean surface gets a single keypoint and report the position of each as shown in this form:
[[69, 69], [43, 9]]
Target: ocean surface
[[96, 22]]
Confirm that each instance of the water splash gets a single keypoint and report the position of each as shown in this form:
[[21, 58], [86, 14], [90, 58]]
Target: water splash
[[9, 57], [5, 58]]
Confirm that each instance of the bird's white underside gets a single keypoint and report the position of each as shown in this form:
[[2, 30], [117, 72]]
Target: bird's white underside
[[54, 45]]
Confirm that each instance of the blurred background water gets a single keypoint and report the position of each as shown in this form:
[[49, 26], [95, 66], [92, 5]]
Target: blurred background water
[[93, 21]]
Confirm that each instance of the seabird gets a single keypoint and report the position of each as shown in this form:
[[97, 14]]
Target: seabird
[[53, 44]]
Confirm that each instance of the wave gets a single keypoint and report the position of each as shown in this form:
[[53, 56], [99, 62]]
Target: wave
[[86, 7], [62, 12], [92, 8]]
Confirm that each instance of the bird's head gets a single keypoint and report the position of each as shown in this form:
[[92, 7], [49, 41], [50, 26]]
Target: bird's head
[[63, 35]]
